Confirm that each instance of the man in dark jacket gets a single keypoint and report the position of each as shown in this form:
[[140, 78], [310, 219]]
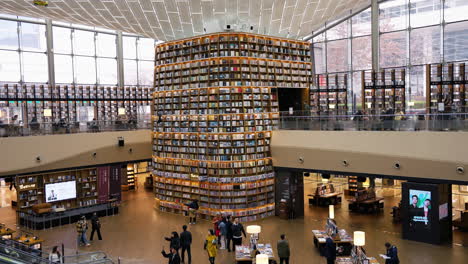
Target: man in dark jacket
[[96, 227], [237, 231], [175, 240], [283, 250], [229, 232], [185, 242], [330, 251], [173, 256], [392, 254]]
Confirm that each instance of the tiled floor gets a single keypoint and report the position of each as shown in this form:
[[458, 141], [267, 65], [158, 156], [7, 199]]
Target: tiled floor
[[136, 235]]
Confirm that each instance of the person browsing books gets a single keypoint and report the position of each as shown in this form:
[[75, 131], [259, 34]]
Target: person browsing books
[[392, 254]]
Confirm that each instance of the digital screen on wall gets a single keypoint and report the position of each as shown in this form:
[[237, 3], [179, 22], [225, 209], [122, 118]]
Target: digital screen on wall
[[420, 210], [55, 192]]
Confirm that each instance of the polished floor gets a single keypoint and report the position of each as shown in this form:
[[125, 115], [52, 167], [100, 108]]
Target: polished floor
[[136, 235]]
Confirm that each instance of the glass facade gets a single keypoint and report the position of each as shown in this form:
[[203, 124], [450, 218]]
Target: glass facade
[[412, 33], [82, 55]]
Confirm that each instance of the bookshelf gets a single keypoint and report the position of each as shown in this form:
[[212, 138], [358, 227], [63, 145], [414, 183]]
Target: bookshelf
[[330, 95], [446, 88], [353, 185], [215, 106], [31, 188], [66, 101], [383, 90], [131, 176]]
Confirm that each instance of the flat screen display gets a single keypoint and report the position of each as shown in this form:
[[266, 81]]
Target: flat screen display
[[420, 209], [59, 191]]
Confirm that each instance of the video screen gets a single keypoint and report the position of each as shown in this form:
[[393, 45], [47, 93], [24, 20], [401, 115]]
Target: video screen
[[420, 209], [55, 192]]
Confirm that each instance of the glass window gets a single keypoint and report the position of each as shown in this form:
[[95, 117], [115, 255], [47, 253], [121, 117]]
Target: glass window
[[319, 57], [106, 45], [455, 10], [107, 71], [393, 49], [129, 47], [393, 15], [33, 37], [425, 45], [417, 86], [337, 56], [362, 53], [357, 89], [424, 12], [146, 49], [319, 38], [9, 66], [8, 35], [145, 73], [339, 31], [85, 70], [361, 23], [130, 72], [63, 69], [456, 41], [83, 43], [62, 40], [35, 67]]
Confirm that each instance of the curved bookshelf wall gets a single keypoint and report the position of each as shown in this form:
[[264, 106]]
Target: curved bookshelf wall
[[215, 106]]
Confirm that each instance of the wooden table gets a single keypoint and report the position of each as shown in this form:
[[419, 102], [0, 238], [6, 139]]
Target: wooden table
[[30, 241], [325, 199], [6, 233], [370, 205], [348, 260], [345, 241], [243, 252]]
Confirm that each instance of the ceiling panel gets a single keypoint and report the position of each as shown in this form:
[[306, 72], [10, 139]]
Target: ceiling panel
[[171, 19]]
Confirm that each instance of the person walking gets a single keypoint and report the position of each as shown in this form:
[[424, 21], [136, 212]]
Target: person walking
[[211, 244], [229, 233], [283, 249], [185, 243], [192, 212], [81, 228], [392, 254], [55, 256], [173, 256], [330, 251], [95, 226], [175, 240], [223, 232], [237, 231], [216, 220]]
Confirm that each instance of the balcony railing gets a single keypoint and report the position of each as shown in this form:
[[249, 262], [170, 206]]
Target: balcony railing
[[395, 122]]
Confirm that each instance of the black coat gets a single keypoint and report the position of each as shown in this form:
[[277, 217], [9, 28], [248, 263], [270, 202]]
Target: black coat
[[392, 253], [238, 230], [95, 222], [175, 242], [330, 249], [185, 239], [229, 229], [173, 258]]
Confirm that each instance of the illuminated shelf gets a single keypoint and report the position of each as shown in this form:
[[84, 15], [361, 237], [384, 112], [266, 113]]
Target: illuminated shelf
[[330, 96], [215, 105]]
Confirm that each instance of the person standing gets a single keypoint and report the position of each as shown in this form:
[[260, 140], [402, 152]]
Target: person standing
[[283, 250], [392, 254], [330, 251], [237, 231], [229, 233], [55, 256], [175, 241], [185, 243], [173, 256], [216, 220], [222, 231], [81, 228], [211, 244], [192, 212], [95, 226]]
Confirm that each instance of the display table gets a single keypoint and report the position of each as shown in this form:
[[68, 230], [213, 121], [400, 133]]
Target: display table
[[30, 241], [6, 232], [325, 199], [243, 252], [344, 242], [370, 206], [348, 260]]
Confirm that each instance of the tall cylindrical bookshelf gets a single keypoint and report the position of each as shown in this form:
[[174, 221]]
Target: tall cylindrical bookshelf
[[215, 106]]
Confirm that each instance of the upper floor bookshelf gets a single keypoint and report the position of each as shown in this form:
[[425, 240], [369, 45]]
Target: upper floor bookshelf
[[446, 88], [330, 95], [232, 44]]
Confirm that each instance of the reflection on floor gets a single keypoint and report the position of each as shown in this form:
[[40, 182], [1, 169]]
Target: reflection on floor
[[136, 235]]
